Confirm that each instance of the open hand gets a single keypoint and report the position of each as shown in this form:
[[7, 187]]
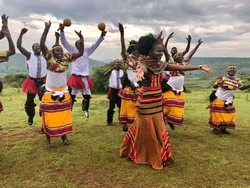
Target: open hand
[[79, 34], [5, 20], [139, 74], [47, 25], [207, 69]]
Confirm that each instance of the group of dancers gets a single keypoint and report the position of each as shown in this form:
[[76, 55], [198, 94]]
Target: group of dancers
[[149, 94]]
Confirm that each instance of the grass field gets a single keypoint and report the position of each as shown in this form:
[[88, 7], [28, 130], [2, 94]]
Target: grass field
[[91, 160]]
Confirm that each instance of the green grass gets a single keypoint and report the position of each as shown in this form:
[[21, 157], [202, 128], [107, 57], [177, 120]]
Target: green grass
[[201, 158]]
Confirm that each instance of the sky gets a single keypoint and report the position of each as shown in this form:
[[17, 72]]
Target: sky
[[223, 25]]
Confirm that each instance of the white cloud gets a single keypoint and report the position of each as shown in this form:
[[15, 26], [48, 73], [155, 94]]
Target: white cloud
[[223, 25]]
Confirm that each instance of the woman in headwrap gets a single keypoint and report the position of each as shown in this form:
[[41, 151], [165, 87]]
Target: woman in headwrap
[[222, 109], [174, 98], [147, 141], [56, 102]]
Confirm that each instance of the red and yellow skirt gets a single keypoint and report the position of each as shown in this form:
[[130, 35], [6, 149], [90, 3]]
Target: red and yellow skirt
[[128, 105], [56, 115], [221, 116], [173, 107]]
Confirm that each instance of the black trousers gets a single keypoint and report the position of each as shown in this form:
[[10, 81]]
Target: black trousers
[[30, 105], [114, 99]]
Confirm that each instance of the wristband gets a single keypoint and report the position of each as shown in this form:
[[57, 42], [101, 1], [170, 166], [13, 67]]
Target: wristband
[[200, 66]]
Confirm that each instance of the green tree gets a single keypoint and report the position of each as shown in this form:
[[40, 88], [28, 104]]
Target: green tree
[[14, 80]]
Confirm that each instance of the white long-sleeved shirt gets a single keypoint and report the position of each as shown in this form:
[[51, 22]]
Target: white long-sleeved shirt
[[115, 79], [81, 65]]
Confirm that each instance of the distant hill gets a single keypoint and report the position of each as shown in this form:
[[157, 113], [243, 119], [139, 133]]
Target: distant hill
[[16, 65], [219, 65]]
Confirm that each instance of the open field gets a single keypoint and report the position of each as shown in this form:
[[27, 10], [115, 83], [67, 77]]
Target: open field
[[201, 158]]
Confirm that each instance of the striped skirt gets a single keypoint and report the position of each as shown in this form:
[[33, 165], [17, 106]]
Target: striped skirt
[[221, 116], [128, 108], [56, 115], [173, 107], [147, 141]]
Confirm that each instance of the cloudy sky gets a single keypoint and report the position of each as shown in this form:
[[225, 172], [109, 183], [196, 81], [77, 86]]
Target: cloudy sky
[[223, 25]]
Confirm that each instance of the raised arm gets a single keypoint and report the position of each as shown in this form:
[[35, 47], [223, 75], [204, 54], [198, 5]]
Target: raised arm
[[123, 46], [92, 48], [44, 48], [1, 32], [81, 45], [6, 32], [194, 50], [19, 44], [70, 48], [167, 56], [188, 45]]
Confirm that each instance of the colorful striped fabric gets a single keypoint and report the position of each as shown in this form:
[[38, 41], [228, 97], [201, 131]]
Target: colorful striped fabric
[[173, 107], [56, 115], [128, 108], [147, 141], [221, 116]]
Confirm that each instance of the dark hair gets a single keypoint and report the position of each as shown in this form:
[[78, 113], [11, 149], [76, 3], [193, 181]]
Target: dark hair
[[55, 45], [34, 45], [146, 43], [131, 48], [132, 42]]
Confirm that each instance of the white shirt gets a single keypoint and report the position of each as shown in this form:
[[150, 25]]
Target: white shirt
[[225, 95], [56, 79], [32, 66], [176, 82], [115, 79], [81, 65], [132, 77]]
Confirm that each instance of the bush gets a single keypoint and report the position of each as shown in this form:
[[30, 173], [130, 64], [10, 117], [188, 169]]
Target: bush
[[14, 80]]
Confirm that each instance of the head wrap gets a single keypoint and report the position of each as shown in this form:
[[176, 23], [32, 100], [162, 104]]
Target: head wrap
[[231, 67], [56, 47]]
